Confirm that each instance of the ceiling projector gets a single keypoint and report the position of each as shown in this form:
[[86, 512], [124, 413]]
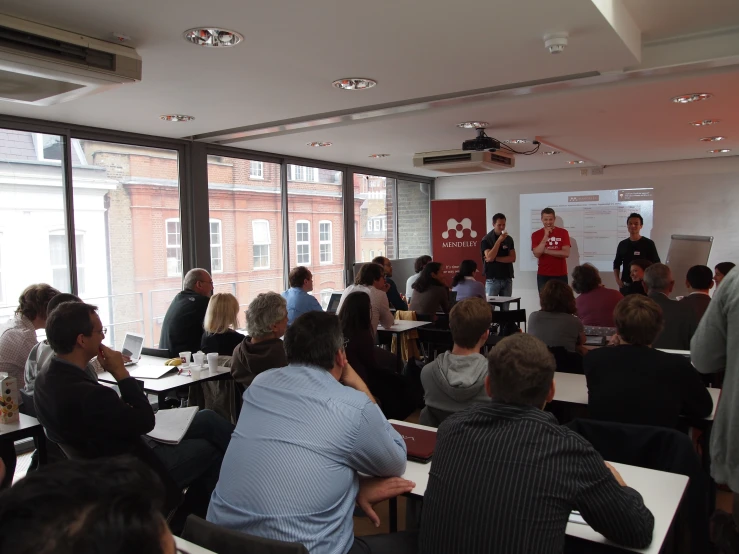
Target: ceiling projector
[[481, 142]]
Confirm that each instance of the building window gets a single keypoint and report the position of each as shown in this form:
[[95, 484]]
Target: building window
[[326, 297], [261, 242], [369, 225], [377, 224], [2, 295], [216, 250], [372, 255], [302, 241], [384, 224], [324, 242], [302, 173], [174, 247], [49, 148], [256, 170], [59, 261]]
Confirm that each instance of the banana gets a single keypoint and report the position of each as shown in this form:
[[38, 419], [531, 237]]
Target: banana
[[173, 362]]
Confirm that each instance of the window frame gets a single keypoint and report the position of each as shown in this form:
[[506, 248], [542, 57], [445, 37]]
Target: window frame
[[218, 245], [329, 242], [38, 144], [167, 246], [299, 243], [253, 164], [308, 171], [268, 244], [79, 238]]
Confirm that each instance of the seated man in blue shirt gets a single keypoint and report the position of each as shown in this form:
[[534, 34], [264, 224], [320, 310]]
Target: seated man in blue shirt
[[297, 297], [291, 471]]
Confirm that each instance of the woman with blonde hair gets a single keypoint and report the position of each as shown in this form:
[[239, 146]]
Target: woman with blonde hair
[[221, 321]]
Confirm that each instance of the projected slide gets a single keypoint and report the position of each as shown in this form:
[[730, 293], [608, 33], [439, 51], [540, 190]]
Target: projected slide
[[596, 221]]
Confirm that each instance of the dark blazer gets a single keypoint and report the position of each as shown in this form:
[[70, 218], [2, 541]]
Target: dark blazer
[[698, 302], [643, 386], [393, 296], [182, 328], [680, 323]]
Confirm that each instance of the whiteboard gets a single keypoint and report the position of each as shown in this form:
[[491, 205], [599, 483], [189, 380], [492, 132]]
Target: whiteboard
[[685, 252]]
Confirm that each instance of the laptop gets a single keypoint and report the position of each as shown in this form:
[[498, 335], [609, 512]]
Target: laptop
[[133, 344], [333, 304], [420, 443], [595, 340]]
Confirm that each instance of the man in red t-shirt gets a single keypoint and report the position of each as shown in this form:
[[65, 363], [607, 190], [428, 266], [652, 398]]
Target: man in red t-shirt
[[551, 245]]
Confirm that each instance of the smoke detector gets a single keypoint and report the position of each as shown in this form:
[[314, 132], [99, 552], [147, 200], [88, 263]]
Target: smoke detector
[[556, 42]]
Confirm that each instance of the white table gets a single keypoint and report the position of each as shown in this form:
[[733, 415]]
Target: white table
[[401, 326], [25, 427], [661, 491], [573, 389], [191, 548], [170, 382], [685, 353]]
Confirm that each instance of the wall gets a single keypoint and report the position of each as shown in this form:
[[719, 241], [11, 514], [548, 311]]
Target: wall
[[692, 197]]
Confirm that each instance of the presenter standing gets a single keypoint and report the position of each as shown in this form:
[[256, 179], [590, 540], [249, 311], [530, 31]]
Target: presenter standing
[[636, 246], [498, 255], [551, 246]]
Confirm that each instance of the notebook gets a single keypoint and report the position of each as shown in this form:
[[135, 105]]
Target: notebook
[[151, 371], [133, 344], [171, 425], [420, 443]]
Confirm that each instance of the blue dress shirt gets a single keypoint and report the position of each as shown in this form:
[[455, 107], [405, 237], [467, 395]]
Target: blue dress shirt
[[290, 471], [298, 303]]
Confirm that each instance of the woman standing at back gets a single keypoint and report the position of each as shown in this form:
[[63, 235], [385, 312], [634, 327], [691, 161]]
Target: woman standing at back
[[430, 294], [464, 283]]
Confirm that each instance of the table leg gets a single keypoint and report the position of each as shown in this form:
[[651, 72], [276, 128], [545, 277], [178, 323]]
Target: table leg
[[393, 515]]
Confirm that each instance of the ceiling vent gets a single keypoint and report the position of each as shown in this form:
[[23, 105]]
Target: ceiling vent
[[42, 65], [461, 161]]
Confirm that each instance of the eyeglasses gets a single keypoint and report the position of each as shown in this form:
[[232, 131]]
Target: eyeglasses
[[104, 330], [346, 343]]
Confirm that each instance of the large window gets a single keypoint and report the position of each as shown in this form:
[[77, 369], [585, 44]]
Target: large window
[[58, 259], [316, 220], [216, 251], [174, 247], [373, 216], [302, 242], [244, 197]]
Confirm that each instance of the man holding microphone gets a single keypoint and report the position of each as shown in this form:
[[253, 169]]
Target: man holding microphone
[[551, 246], [498, 255]]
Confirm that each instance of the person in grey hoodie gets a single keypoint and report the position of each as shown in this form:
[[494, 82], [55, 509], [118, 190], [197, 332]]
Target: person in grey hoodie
[[455, 380]]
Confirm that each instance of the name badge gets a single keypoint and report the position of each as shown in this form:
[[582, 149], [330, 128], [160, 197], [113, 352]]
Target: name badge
[[637, 253], [505, 248]]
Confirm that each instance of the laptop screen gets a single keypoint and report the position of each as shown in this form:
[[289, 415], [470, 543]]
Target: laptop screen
[[333, 304], [132, 346]]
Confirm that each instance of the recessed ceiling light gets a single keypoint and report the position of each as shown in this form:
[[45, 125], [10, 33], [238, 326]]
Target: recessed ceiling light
[[712, 139], [551, 152], [178, 118], [213, 37], [379, 155], [704, 122], [516, 141], [721, 151], [473, 124], [318, 144], [689, 98], [576, 162], [354, 83]]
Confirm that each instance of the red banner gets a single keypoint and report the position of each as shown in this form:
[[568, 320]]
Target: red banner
[[457, 227]]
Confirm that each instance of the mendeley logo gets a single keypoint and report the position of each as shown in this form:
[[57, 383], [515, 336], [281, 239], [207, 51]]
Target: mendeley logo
[[459, 227]]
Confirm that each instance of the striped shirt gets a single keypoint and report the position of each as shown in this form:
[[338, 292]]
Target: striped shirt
[[504, 479], [16, 342], [290, 471]]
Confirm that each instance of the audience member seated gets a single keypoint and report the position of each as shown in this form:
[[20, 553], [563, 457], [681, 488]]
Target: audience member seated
[[394, 297], [699, 280], [376, 366], [721, 270], [680, 321], [557, 323], [455, 380], [86, 507], [596, 303], [182, 328], [371, 280], [19, 337], [418, 266], [634, 383], [89, 417], [636, 272], [304, 434], [266, 321], [220, 324], [297, 297], [506, 475], [430, 293], [464, 283]]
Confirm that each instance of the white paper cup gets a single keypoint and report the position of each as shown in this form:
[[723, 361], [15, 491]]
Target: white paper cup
[[196, 373], [185, 357], [213, 362], [198, 358]]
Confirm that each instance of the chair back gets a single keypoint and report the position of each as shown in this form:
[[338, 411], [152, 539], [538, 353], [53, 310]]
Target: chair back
[[511, 316], [227, 541], [28, 406], [158, 352], [567, 362], [434, 341]]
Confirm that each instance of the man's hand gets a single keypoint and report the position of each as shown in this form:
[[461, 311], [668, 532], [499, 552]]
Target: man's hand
[[386, 287], [620, 283], [112, 362], [616, 474], [547, 232], [376, 489], [502, 237]]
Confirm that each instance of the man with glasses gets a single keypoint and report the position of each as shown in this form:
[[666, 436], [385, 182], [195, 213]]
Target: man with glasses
[[182, 328]]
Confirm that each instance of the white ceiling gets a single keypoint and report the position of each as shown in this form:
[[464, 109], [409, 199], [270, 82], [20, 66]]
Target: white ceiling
[[415, 49]]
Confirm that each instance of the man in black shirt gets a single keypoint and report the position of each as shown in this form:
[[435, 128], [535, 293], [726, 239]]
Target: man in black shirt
[[634, 247], [393, 295], [506, 475], [498, 255], [182, 328]]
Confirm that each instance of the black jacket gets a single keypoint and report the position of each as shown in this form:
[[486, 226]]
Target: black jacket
[[182, 328]]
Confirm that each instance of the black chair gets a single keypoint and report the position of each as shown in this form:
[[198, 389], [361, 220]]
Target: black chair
[[227, 541], [433, 341], [567, 362], [158, 352], [661, 449], [507, 319]]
